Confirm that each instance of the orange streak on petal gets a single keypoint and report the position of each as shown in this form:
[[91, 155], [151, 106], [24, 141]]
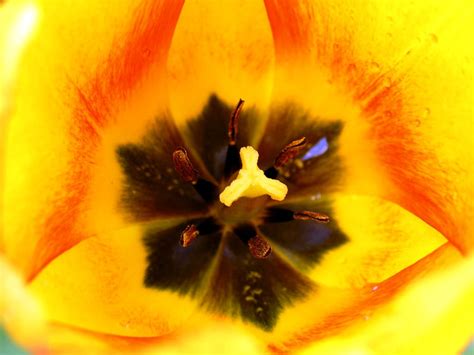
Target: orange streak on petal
[[199, 336], [370, 299], [289, 28], [420, 185], [306, 41], [146, 45]]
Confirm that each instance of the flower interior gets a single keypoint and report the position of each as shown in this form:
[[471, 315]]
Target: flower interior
[[250, 230]]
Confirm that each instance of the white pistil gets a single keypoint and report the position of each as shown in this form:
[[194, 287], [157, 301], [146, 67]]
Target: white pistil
[[251, 181]]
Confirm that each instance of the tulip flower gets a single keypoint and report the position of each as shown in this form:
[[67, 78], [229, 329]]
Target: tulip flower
[[237, 177]]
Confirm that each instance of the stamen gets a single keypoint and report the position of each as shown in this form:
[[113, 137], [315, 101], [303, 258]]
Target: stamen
[[278, 215], [232, 160], [258, 246], [251, 181], [234, 122], [183, 166], [192, 231], [186, 171], [311, 216], [188, 235], [288, 153]]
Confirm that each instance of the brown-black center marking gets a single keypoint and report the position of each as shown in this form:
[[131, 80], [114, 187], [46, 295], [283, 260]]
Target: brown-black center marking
[[248, 260]]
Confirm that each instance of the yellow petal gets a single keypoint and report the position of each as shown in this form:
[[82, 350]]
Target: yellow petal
[[198, 336], [398, 75], [107, 271], [17, 23], [21, 314], [336, 313], [224, 48], [383, 70], [424, 319], [384, 239], [86, 93]]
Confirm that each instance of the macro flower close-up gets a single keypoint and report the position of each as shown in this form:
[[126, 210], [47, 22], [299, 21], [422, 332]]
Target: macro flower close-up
[[237, 176]]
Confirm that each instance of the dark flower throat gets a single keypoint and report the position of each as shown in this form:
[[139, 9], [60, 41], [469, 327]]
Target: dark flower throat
[[249, 260]]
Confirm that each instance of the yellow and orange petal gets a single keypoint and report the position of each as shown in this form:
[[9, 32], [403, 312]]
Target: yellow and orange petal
[[72, 81], [402, 80], [424, 318], [397, 325], [383, 74]]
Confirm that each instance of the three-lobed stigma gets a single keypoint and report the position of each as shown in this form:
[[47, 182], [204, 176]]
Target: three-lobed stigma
[[251, 181]]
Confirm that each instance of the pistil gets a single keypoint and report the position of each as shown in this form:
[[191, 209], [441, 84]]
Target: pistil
[[251, 181]]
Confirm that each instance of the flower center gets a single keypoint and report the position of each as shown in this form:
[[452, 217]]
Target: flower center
[[251, 182], [249, 255]]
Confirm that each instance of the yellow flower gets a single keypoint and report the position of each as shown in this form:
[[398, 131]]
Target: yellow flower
[[92, 207]]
